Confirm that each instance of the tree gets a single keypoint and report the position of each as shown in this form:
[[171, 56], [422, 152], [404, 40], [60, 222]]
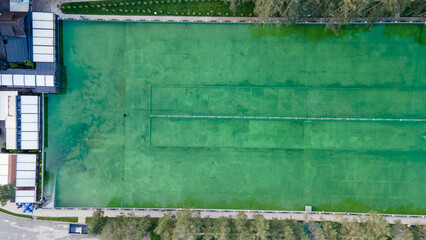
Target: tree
[[7, 192], [97, 223], [187, 226], [317, 231], [401, 232], [242, 227], [276, 229], [375, 227], [166, 226], [331, 230], [126, 228], [260, 227], [297, 229], [419, 232], [222, 228]]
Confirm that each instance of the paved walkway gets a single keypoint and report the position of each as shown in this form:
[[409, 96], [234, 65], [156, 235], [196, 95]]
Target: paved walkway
[[131, 18], [82, 214]]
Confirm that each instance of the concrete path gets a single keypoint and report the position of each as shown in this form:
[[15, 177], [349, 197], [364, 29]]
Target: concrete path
[[133, 18], [22, 228], [82, 214]]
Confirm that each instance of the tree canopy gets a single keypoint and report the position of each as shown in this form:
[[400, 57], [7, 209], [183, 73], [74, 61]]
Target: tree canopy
[[7, 192], [96, 223], [341, 11], [188, 224]]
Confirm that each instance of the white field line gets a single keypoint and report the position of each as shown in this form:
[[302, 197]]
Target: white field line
[[289, 118]]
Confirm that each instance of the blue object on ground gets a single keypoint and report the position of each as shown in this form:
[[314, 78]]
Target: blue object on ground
[[28, 207], [20, 205]]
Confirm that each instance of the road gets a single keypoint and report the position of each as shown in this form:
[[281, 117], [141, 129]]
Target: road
[[22, 228]]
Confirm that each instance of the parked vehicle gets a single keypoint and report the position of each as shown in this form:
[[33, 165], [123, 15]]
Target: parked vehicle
[[77, 228]]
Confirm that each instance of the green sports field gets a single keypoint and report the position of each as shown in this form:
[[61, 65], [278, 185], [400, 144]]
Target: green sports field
[[211, 117]]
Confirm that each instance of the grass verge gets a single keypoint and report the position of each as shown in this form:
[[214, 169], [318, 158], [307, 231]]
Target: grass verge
[[15, 214], [59, 219], [160, 8]]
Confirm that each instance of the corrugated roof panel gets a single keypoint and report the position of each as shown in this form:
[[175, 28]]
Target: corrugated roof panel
[[33, 100], [29, 145], [25, 166], [25, 196], [43, 33], [29, 136], [43, 16], [43, 24], [4, 169], [43, 58], [10, 122], [6, 79], [29, 127], [49, 81], [42, 41], [25, 182], [25, 174], [4, 159], [32, 158], [11, 138], [25, 199], [4, 180], [18, 80], [40, 80], [29, 117], [24, 193], [29, 108], [29, 80], [43, 49]]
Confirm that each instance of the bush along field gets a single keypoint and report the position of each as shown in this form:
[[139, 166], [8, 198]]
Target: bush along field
[[160, 7]]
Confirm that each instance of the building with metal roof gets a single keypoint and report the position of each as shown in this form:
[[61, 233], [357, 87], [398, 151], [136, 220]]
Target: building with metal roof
[[22, 170], [28, 37], [22, 118]]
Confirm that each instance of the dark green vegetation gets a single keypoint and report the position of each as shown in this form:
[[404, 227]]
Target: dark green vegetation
[[342, 11], [7, 192], [189, 225], [160, 7], [4, 150], [59, 219], [122, 227], [98, 158], [15, 214], [335, 10]]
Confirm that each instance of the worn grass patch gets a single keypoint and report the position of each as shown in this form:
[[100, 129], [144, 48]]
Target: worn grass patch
[[15, 214], [59, 219]]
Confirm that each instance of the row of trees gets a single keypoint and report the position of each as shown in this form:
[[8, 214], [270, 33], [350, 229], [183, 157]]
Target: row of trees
[[342, 11], [188, 225]]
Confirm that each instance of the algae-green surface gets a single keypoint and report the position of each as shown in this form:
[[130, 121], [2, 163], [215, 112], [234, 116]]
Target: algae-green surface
[[99, 158]]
